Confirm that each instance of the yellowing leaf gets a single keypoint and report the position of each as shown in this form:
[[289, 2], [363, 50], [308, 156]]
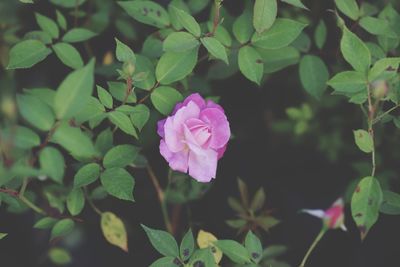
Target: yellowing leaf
[[114, 230], [205, 240]]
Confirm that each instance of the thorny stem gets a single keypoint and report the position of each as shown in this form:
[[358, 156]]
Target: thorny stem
[[312, 247], [161, 198]]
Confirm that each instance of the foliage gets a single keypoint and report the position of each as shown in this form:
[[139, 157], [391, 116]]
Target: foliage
[[67, 146]]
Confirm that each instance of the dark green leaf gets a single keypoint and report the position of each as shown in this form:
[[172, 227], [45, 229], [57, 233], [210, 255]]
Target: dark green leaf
[[118, 183], [48, 25], [162, 241], [78, 35], [251, 64], [391, 203], [215, 48], [87, 174], [120, 156], [187, 245], [320, 34], [75, 201], [105, 97], [139, 116], [313, 75], [68, 55], [234, 251], [180, 42], [264, 14], [52, 163], [348, 82], [242, 28], [349, 8], [187, 21], [124, 53], [62, 228], [147, 12], [164, 99], [123, 122], [45, 223], [253, 246]]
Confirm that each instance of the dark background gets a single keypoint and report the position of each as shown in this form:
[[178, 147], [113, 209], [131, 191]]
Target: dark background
[[294, 175]]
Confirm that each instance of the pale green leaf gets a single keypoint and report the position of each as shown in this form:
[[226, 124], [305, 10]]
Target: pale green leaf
[[27, 53], [69, 55], [114, 230]]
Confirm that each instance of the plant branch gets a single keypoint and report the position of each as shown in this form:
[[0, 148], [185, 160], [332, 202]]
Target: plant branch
[[371, 114], [92, 205], [312, 247], [378, 118], [161, 198], [148, 95]]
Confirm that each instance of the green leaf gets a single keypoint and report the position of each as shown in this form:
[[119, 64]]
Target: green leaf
[[313, 75], [348, 82], [44, 94], [62, 228], [234, 251], [41, 36], [62, 22], [75, 201], [68, 3], [123, 122], [258, 201], [87, 174], [52, 163], [320, 34], [74, 92], [349, 8], [104, 141], [114, 230], [354, 51], [27, 53], [204, 257], [173, 67], [281, 34], [391, 203], [180, 42], [124, 53], [118, 183], [383, 65], [139, 116], [364, 140], [365, 203], [242, 28], [76, 35], [22, 137], [277, 59], [145, 65], [3, 235], [164, 99], [68, 55], [162, 241], [120, 156], [164, 262], [264, 14], [118, 91], [147, 12], [215, 48], [296, 3], [251, 64], [187, 245], [187, 21], [74, 141], [48, 25], [221, 34], [253, 246], [59, 256], [377, 26], [45, 223], [104, 97], [35, 112], [178, 4]]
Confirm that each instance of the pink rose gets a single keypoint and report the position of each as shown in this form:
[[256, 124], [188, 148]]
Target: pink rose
[[194, 137]]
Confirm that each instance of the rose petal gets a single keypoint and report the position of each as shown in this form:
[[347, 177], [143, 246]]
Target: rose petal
[[200, 131], [220, 131], [203, 166], [177, 161], [160, 127]]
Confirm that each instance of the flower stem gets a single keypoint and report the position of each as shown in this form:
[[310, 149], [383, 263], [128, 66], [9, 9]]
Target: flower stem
[[313, 245], [161, 198]]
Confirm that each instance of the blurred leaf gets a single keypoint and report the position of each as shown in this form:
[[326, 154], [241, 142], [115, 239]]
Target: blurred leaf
[[258, 200], [45, 223], [104, 141], [364, 140], [48, 25], [22, 137], [114, 230], [124, 53], [105, 97], [277, 59], [68, 55], [349, 8], [3, 235], [244, 192], [147, 12], [62, 228], [35, 112], [267, 222], [74, 92], [296, 3], [52, 163], [320, 34], [313, 75], [391, 203], [75, 201], [164, 262], [59, 256], [76, 35], [62, 22], [236, 205], [27, 53]]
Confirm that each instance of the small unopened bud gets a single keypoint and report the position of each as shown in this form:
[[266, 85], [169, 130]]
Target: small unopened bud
[[8, 108], [380, 89], [128, 68], [108, 58]]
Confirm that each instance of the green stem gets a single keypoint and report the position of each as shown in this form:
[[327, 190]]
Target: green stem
[[90, 201], [28, 203], [378, 118], [371, 114], [313, 245]]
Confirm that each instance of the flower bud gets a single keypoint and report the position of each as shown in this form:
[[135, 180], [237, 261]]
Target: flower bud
[[128, 68], [380, 89]]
